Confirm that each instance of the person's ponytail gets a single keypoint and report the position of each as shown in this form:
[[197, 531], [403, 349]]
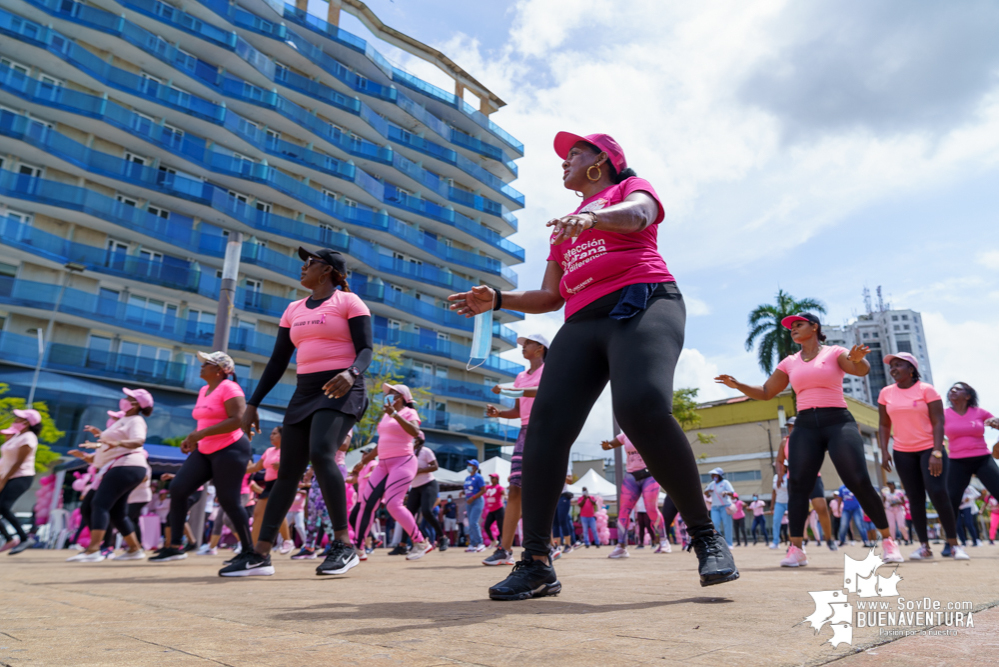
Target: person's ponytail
[[341, 280]]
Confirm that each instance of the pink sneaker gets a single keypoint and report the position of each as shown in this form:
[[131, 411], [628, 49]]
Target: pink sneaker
[[795, 558], [890, 552]]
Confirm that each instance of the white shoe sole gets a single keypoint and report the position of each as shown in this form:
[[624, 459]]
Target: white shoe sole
[[799, 564], [896, 559], [619, 556], [167, 560], [417, 555], [352, 562], [138, 555], [257, 571]]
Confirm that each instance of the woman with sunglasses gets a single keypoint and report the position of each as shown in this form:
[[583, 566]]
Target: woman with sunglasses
[[331, 332], [218, 451]]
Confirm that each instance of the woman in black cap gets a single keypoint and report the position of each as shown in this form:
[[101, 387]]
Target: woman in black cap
[[624, 324], [331, 331]]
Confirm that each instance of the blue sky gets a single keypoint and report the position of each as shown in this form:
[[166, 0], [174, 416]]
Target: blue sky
[[814, 147]]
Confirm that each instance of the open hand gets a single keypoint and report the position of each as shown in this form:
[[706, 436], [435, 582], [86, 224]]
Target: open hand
[[474, 302], [727, 380], [92, 430], [492, 411], [569, 227], [857, 353]]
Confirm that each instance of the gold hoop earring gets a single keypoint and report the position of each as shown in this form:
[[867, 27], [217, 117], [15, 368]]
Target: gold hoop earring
[[599, 173]]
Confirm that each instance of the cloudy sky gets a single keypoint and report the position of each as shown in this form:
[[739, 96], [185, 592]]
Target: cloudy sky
[[817, 147]]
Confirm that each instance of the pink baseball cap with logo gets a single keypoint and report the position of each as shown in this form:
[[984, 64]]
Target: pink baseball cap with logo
[[144, 398], [904, 356], [564, 141], [33, 417]]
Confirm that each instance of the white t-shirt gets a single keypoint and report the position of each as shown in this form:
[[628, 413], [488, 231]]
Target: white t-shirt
[[718, 491], [424, 459], [968, 499], [781, 491]]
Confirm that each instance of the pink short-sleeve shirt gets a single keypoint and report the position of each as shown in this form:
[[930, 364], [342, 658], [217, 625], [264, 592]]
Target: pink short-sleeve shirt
[[819, 382], [493, 497], [596, 262], [392, 438], [910, 415], [124, 430], [635, 462], [210, 410], [966, 433], [270, 456], [526, 380], [322, 335], [9, 451]]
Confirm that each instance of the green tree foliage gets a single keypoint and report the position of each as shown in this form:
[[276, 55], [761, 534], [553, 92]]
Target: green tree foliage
[[386, 368], [174, 441], [44, 456], [685, 411], [774, 340]]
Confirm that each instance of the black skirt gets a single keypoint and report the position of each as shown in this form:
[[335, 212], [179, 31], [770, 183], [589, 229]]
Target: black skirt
[[309, 397]]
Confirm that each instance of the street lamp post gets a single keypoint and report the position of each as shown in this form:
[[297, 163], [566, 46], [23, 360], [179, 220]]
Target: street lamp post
[[38, 364]]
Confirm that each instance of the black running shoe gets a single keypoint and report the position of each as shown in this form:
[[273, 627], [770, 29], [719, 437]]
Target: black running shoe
[[400, 550], [340, 557], [248, 564], [167, 554], [529, 579], [30, 542], [190, 546], [715, 562], [443, 543]]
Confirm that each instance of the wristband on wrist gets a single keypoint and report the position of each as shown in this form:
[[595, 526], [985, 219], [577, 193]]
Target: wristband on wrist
[[499, 300]]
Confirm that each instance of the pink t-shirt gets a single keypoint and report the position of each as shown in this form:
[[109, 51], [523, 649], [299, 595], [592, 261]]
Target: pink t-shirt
[[244, 488], [123, 430], [392, 439], [587, 506], [525, 380], [424, 459], [910, 416], [299, 503], [270, 456], [966, 433], [635, 461], [757, 507], [494, 497], [322, 335], [819, 382], [9, 450], [738, 512], [596, 262], [210, 410]]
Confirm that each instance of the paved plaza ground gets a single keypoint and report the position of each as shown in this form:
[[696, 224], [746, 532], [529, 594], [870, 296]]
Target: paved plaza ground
[[648, 609]]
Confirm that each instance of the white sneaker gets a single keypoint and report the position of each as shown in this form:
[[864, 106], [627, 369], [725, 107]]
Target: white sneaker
[[890, 552], [84, 557], [470, 549], [771, 545], [958, 553], [286, 547], [203, 550], [619, 552], [664, 548], [978, 543], [420, 550], [922, 553], [795, 557], [480, 548], [139, 554]]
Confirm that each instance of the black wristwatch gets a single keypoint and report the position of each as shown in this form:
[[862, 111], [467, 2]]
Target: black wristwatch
[[355, 371]]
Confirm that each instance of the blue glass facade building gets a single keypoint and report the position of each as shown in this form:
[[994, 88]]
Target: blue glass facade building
[[135, 135]]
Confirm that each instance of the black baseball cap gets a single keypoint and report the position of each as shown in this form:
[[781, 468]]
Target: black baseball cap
[[331, 257]]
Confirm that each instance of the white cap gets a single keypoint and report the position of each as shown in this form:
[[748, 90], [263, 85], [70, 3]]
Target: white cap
[[536, 337]]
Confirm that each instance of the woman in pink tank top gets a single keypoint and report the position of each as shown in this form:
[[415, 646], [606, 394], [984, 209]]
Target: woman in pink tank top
[[823, 424]]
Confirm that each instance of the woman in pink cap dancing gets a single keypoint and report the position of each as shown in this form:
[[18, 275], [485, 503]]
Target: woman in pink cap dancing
[[624, 324], [121, 464], [17, 471], [396, 469], [823, 423]]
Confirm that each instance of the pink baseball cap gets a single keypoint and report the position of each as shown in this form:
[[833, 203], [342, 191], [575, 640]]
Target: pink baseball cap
[[789, 321], [144, 398], [564, 141], [33, 417], [904, 356], [403, 390]]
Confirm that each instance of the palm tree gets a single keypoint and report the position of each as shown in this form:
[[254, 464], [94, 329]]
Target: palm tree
[[764, 324]]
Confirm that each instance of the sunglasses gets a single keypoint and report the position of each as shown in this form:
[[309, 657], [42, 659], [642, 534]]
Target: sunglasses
[[314, 260]]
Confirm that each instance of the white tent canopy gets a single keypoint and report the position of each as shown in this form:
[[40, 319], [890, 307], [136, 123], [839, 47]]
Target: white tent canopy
[[497, 465], [596, 485]]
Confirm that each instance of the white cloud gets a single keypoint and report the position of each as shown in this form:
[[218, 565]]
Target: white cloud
[[989, 259], [962, 352]]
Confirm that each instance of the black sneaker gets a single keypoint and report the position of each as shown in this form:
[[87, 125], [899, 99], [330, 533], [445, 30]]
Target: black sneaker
[[529, 579], [30, 542], [499, 557], [167, 554], [340, 557], [443, 543], [248, 564], [400, 550], [715, 562]]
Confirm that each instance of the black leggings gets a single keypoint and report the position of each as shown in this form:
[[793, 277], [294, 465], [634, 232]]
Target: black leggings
[[961, 470], [739, 527], [317, 439], [644, 525], [817, 430], [226, 468], [424, 498], [638, 357], [914, 471], [496, 516], [134, 511], [110, 501], [13, 490]]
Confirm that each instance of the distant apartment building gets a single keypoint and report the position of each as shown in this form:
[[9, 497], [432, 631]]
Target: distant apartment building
[[137, 135]]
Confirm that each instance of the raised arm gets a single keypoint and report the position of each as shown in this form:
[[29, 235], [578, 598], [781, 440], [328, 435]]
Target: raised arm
[[545, 300], [853, 362], [775, 384]]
